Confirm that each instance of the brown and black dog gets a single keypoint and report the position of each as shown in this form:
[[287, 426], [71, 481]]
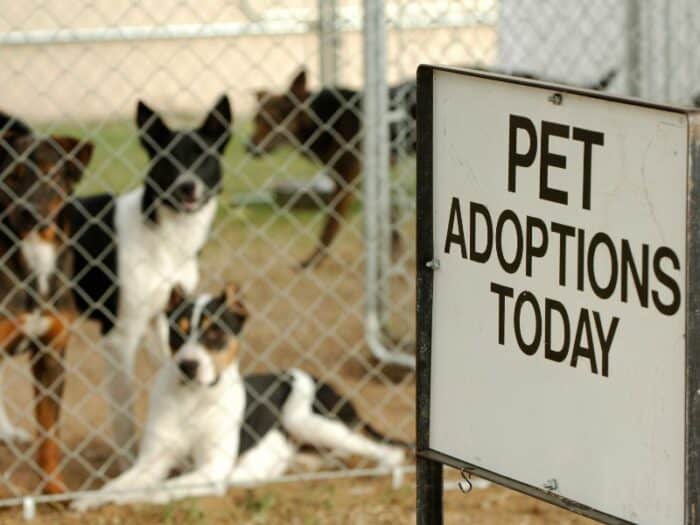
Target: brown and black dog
[[326, 125], [37, 178]]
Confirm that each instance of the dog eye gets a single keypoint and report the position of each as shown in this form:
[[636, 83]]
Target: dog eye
[[183, 324], [214, 338]]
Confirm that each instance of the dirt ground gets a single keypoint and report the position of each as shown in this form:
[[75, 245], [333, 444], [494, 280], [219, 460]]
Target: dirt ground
[[311, 320], [360, 501]]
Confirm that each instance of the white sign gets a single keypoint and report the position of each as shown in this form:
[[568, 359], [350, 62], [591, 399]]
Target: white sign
[[558, 323]]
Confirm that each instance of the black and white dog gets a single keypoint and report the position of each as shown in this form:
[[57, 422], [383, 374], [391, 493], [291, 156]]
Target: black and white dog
[[131, 250], [235, 429]]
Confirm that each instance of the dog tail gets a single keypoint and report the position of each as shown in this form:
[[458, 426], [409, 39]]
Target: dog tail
[[330, 403], [379, 436]]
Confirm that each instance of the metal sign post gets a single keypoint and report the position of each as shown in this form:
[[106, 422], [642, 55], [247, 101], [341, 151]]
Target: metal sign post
[[558, 314]]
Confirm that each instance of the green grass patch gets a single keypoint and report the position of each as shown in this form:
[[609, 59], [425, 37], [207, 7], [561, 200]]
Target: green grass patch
[[119, 164]]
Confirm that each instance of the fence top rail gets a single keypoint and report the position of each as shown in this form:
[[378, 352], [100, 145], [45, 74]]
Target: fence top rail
[[281, 21]]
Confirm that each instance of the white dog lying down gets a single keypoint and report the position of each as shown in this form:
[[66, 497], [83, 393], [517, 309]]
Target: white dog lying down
[[233, 428]]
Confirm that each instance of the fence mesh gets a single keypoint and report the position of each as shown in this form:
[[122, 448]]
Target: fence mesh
[[78, 69]]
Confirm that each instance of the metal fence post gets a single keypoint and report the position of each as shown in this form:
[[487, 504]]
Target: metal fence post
[[429, 492], [329, 41], [376, 179], [429, 474]]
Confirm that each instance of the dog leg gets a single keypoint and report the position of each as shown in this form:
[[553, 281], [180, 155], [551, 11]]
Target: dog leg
[[8, 431], [320, 431], [161, 450], [11, 335], [268, 459], [49, 379], [213, 454], [121, 345], [157, 347], [323, 432], [133, 486], [208, 479], [346, 171]]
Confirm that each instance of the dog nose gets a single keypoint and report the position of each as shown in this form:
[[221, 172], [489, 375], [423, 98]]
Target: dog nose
[[188, 367], [187, 189]]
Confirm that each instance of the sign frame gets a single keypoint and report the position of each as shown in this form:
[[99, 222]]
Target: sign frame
[[430, 462]]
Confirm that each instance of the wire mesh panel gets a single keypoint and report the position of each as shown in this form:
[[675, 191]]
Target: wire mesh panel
[[80, 70], [634, 48], [290, 220], [457, 33], [649, 44]]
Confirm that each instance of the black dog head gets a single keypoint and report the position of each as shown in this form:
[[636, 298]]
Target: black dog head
[[185, 165]]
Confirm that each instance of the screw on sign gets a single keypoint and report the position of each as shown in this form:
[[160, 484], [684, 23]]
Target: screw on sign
[[554, 335]]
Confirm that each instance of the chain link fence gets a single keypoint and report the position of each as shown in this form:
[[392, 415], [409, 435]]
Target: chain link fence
[[315, 225]]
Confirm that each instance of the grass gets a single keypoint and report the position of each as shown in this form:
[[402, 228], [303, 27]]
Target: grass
[[258, 505], [119, 164], [188, 511]]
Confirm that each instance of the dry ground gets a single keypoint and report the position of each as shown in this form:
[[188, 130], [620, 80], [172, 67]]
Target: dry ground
[[362, 501], [308, 320]]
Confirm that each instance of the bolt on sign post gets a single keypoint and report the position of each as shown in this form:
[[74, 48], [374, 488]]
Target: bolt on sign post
[[558, 310]]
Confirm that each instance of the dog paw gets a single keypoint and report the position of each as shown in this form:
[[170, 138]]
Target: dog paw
[[160, 497], [301, 266], [55, 486], [86, 503], [15, 435], [312, 261], [393, 457]]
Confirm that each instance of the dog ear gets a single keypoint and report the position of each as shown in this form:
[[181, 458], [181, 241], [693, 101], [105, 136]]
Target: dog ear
[[154, 135], [231, 296], [235, 314], [12, 124], [8, 150], [231, 293], [177, 297], [298, 86], [216, 127], [77, 154]]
